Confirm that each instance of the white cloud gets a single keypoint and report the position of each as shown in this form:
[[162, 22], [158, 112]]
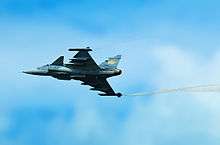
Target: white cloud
[[165, 119]]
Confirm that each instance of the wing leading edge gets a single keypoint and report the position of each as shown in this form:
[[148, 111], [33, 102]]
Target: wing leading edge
[[83, 59]]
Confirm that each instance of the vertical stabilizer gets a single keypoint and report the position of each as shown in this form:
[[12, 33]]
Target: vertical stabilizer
[[111, 63]]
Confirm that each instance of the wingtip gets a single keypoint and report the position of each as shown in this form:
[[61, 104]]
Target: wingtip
[[118, 95], [115, 94], [80, 49]]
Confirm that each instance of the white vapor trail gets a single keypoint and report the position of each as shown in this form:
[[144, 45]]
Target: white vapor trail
[[215, 88]]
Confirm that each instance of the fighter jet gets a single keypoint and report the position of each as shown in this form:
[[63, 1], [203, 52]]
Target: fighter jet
[[82, 67]]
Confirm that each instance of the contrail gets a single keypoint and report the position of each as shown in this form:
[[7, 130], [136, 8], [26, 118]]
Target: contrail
[[199, 88]]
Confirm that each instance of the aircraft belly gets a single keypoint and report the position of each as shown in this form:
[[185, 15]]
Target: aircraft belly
[[77, 76]]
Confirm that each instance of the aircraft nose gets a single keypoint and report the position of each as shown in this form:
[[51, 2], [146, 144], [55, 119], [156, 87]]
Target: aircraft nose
[[29, 72], [35, 72]]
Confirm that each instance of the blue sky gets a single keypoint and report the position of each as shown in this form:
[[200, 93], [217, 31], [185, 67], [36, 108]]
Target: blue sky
[[164, 44]]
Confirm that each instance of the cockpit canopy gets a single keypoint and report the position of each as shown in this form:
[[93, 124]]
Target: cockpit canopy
[[44, 67]]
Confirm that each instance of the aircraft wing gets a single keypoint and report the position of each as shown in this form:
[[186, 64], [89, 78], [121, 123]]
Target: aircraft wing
[[98, 84], [83, 59]]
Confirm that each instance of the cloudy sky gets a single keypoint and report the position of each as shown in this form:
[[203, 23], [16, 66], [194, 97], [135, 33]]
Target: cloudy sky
[[163, 43]]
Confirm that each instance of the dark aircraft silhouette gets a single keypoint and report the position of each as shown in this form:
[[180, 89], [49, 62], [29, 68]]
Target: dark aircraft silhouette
[[83, 68]]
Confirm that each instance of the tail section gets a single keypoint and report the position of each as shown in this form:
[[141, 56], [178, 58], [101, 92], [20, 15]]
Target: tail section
[[59, 61], [111, 63]]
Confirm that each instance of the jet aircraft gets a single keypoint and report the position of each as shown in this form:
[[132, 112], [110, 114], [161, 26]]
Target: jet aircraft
[[82, 67]]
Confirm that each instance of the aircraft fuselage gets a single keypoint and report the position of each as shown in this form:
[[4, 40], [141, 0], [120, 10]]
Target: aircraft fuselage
[[66, 73]]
